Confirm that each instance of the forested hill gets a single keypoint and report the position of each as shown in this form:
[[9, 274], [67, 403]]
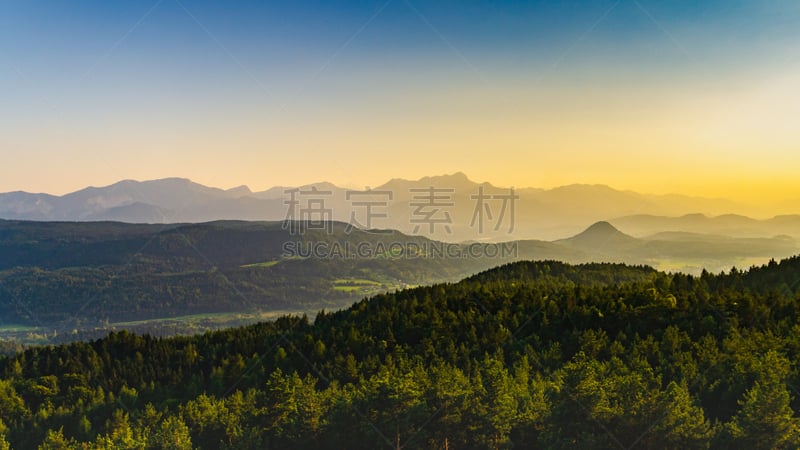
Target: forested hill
[[67, 275], [63, 280], [527, 355]]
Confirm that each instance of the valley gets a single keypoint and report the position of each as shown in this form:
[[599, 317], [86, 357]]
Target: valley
[[65, 281]]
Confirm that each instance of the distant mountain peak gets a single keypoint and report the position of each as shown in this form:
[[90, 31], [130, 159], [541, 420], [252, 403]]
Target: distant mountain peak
[[601, 227], [458, 177], [240, 190], [169, 182], [322, 185], [602, 230], [177, 181], [457, 180], [598, 236], [585, 187]]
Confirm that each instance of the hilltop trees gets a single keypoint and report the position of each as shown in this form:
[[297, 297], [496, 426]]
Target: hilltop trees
[[530, 355]]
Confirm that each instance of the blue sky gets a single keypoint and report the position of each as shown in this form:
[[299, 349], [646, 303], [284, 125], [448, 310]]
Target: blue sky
[[228, 93]]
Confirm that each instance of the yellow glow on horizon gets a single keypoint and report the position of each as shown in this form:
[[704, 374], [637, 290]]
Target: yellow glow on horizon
[[731, 141]]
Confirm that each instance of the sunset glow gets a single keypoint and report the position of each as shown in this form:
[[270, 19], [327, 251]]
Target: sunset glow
[[658, 97]]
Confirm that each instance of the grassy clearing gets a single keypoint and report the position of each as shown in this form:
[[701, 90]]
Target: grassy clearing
[[214, 317], [355, 281], [355, 285], [696, 266], [348, 288], [14, 328], [261, 264]]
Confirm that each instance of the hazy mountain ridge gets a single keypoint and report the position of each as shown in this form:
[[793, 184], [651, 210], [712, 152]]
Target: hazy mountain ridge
[[50, 271], [677, 250], [733, 225], [538, 213]]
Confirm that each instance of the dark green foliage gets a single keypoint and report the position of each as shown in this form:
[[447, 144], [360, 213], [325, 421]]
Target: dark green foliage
[[527, 355], [65, 275]]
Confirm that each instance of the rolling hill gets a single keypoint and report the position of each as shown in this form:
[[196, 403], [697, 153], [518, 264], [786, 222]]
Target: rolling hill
[[526, 355], [73, 276]]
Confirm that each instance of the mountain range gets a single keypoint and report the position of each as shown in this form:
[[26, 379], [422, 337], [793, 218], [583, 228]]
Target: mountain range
[[70, 275], [452, 211]]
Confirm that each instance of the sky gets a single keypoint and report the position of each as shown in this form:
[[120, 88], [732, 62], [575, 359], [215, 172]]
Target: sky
[[691, 97]]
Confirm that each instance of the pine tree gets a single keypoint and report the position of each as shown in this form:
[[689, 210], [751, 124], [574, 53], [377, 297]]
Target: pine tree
[[765, 420]]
